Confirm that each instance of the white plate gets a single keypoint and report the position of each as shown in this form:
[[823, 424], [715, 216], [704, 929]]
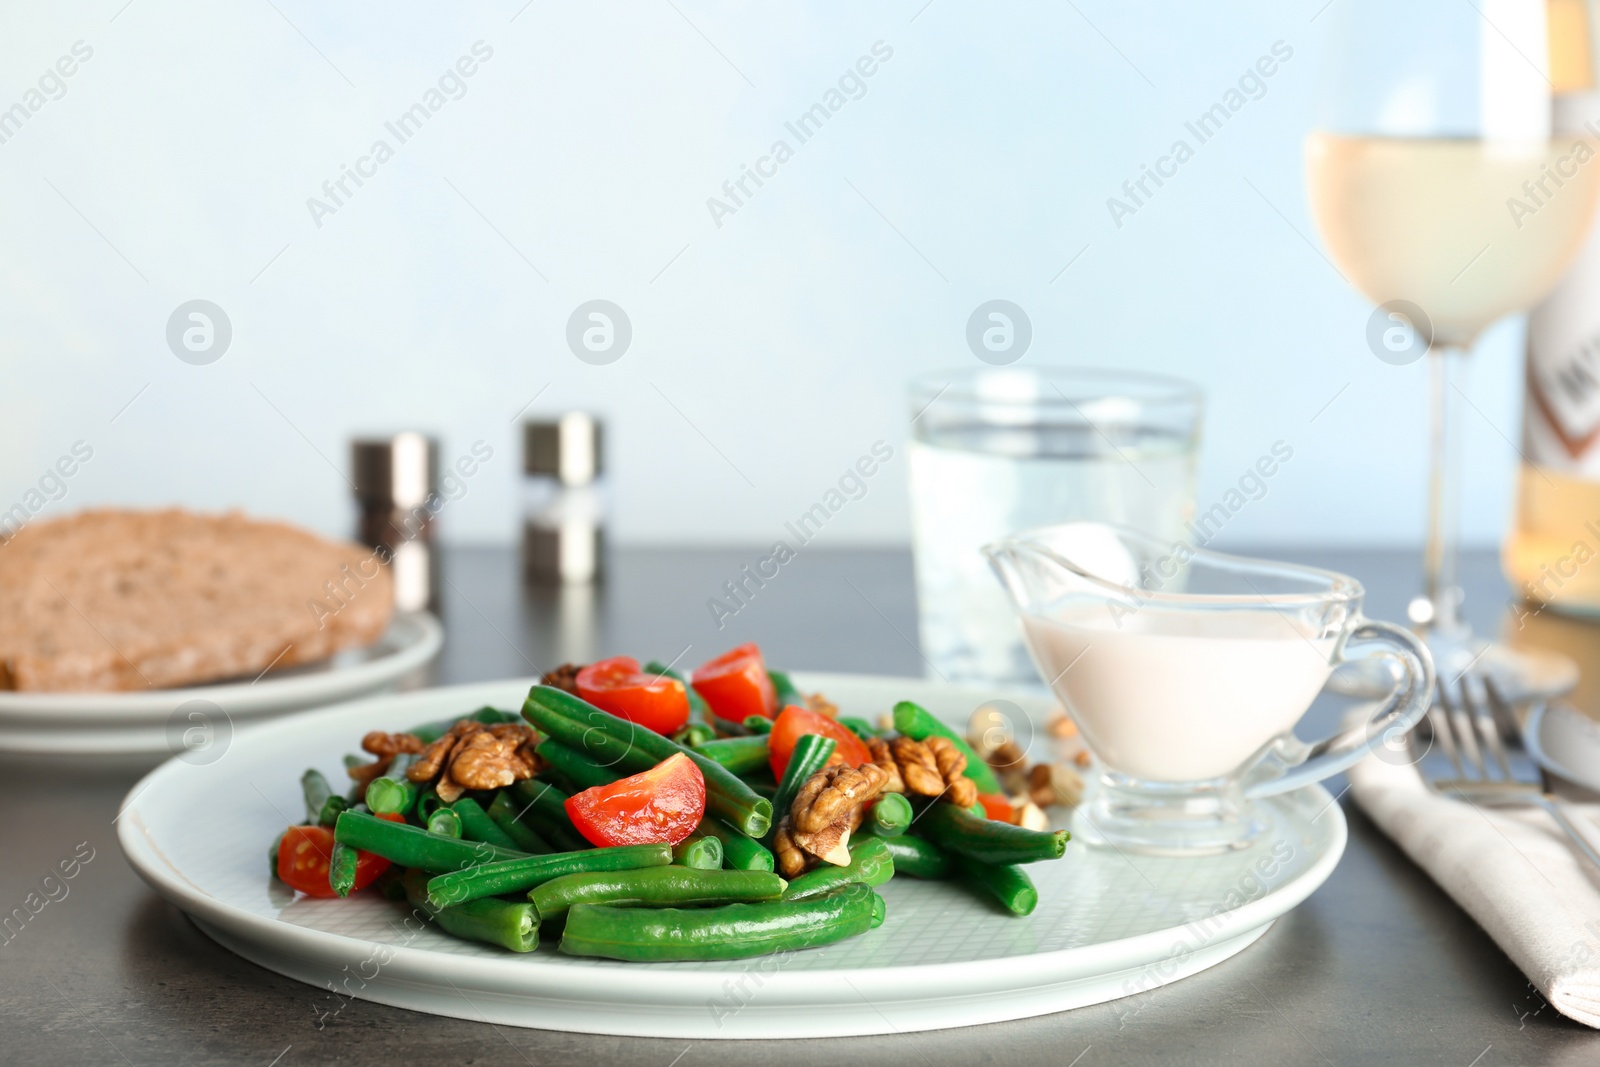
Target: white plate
[[154, 722], [1107, 925]]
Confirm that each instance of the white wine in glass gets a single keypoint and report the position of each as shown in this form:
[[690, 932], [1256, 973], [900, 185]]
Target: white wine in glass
[[1436, 181], [1447, 224]]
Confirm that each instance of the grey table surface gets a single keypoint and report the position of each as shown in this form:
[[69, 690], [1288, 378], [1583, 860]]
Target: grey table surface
[[1378, 966]]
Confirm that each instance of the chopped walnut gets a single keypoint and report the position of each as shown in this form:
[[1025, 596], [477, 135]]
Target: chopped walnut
[[822, 705], [381, 744], [830, 795], [563, 677], [934, 768], [883, 758], [792, 860], [828, 808], [474, 756], [1062, 727], [363, 773]]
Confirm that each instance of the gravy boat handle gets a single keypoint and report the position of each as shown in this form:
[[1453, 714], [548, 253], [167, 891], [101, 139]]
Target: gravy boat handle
[[1402, 710]]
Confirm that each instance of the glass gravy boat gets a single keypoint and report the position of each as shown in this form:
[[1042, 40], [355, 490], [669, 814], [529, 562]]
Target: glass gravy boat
[[1186, 671]]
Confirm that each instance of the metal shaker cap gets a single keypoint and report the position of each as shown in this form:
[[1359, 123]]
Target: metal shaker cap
[[400, 470], [568, 448]]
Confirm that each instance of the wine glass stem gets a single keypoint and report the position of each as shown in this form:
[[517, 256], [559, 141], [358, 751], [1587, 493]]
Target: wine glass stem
[[1444, 500]]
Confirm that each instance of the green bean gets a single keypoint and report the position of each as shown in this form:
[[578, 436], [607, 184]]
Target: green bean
[[739, 852], [584, 772], [316, 791], [654, 887], [502, 811], [446, 822], [987, 840], [331, 809], [891, 815], [698, 851], [428, 802], [520, 875], [577, 722], [785, 690], [477, 826], [870, 863], [758, 725], [411, 846], [545, 808], [860, 727], [392, 793], [741, 755], [1008, 884], [729, 932], [498, 922], [277, 843], [694, 734], [342, 868], [918, 724], [811, 754], [918, 857], [391, 884]]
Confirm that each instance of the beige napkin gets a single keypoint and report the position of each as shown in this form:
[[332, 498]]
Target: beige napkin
[[1511, 869]]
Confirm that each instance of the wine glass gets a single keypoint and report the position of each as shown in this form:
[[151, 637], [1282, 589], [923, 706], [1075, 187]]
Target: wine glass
[[1444, 194]]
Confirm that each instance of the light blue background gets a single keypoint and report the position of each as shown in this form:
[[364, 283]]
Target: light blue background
[[768, 353]]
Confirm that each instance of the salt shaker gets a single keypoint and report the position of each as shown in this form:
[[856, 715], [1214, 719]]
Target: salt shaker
[[563, 528], [395, 479]]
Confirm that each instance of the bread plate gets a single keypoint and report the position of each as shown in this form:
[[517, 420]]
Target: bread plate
[[1108, 926], [195, 720]]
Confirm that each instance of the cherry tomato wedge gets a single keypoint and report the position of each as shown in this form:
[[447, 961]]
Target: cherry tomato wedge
[[736, 685], [617, 685], [997, 807], [794, 722], [665, 803], [304, 855]]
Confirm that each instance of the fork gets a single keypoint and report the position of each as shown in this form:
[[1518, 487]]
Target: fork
[[1465, 726]]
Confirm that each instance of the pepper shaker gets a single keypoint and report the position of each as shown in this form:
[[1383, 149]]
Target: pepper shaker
[[563, 528], [395, 479]]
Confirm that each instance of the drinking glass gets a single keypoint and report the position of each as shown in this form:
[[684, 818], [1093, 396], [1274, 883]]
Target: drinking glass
[[1442, 196], [1186, 671], [1000, 449]]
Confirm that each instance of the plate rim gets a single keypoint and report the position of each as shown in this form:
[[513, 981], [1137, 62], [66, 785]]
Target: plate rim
[[612, 982], [147, 708]]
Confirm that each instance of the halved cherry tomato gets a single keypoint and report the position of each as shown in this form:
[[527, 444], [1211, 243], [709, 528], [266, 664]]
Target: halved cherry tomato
[[794, 722], [665, 803], [997, 807], [304, 855], [617, 685], [736, 685]]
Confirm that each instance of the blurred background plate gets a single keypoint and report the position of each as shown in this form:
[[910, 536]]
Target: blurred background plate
[[159, 723], [1107, 925]]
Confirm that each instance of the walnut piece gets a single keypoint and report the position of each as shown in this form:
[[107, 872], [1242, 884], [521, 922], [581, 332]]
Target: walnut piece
[[474, 756], [934, 768], [828, 808], [883, 758], [563, 677], [381, 744], [831, 794], [792, 860], [822, 705], [364, 773]]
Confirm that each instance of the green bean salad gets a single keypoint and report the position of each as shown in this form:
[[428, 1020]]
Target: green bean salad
[[631, 813]]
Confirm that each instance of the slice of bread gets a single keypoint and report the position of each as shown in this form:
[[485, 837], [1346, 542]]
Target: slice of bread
[[116, 600]]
